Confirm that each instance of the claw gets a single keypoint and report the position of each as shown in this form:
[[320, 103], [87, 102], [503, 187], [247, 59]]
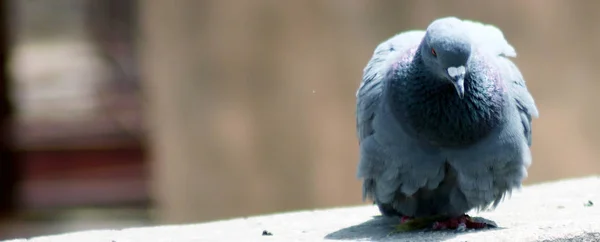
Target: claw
[[461, 227]]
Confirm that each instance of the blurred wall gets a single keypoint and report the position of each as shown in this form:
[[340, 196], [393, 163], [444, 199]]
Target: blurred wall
[[250, 104]]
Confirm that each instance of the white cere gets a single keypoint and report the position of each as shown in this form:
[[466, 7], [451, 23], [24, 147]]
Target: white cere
[[455, 71]]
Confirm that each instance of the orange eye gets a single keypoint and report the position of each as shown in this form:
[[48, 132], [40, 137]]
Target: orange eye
[[433, 52]]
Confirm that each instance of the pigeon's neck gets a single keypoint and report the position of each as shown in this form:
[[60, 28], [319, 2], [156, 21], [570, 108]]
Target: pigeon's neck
[[432, 110]]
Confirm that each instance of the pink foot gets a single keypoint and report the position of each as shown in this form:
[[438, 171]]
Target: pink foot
[[462, 222], [405, 219]]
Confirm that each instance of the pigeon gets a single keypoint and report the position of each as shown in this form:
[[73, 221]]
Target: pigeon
[[443, 120]]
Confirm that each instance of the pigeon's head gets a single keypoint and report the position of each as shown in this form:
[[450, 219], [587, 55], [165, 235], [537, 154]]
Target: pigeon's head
[[446, 49]]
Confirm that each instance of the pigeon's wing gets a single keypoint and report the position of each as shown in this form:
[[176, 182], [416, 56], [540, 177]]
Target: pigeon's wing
[[392, 164], [370, 89], [517, 89]]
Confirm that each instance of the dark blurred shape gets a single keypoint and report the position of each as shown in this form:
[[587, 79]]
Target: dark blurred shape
[[8, 165], [72, 107], [95, 156]]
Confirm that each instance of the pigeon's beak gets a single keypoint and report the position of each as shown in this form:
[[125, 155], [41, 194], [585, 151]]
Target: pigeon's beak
[[459, 84], [457, 77]]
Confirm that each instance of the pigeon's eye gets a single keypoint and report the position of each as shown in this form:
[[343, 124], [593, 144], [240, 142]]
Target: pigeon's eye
[[433, 52]]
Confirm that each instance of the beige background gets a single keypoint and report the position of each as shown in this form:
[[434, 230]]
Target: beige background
[[250, 104]]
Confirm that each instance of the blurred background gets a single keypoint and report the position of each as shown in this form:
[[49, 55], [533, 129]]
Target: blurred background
[[129, 113]]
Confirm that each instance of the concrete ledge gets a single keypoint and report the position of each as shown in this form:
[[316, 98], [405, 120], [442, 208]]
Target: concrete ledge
[[557, 211]]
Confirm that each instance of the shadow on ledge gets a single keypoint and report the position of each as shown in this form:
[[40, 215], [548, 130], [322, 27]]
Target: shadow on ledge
[[379, 228]]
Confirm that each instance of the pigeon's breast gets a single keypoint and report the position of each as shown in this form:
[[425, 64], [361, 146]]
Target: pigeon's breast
[[431, 109]]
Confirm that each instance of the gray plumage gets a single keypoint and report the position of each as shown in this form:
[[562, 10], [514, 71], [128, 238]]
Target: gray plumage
[[426, 149]]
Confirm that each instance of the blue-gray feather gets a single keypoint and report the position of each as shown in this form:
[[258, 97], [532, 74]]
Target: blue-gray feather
[[423, 150]]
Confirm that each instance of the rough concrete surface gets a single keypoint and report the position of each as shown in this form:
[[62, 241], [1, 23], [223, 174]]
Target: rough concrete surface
[[557, 211]]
